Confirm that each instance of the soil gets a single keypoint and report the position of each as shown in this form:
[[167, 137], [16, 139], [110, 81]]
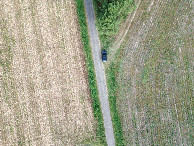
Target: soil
[[44, 91]]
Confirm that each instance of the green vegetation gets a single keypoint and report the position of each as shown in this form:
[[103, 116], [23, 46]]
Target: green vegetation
[[109, 17], [100, 132], [112, 73], [156, 77]]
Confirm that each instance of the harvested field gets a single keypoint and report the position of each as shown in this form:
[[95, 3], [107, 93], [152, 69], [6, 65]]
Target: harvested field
[[44, 89], [156, 75]]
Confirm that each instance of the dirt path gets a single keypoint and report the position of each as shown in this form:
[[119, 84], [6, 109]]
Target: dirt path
[[100, 74], [122, 33]]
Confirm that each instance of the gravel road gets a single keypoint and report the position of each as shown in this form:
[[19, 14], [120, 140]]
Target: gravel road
[[100, 73]]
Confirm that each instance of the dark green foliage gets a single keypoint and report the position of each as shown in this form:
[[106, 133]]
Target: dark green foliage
[[110, 14], [100, 132], [102, 5]]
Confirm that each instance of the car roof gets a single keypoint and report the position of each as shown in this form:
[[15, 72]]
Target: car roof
[[104, 51]]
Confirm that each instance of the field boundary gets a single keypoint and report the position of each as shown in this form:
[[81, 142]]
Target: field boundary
[[124, 32], [100, 131], [112, 86], [112, 73]]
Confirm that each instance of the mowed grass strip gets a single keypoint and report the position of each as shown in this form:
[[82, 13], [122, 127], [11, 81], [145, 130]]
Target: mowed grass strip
[[112, 73], [100, 131]]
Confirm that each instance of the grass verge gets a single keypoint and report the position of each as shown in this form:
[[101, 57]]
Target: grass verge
[[112, 73], [100, 131]]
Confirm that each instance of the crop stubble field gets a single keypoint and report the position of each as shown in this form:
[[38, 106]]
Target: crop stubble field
[[156, 75], [43, 80]]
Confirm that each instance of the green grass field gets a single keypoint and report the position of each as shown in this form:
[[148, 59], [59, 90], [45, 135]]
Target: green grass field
[[155, 76]]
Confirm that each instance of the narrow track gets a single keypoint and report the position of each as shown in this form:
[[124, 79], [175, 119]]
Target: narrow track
[[100, 74]]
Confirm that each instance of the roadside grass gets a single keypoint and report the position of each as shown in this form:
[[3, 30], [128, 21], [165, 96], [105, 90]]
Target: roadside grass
[[156, 80], [100, 131], [112, 74]]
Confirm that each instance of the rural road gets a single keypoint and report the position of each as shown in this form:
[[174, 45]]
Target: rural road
[[100, 73]]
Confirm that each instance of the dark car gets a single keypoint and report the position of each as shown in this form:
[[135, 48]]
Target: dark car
[[104, 56]]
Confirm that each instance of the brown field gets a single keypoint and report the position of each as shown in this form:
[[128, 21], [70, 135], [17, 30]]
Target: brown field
[[44, 94], [155, 96]]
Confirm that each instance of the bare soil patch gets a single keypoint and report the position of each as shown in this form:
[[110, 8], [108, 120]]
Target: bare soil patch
[[43, 80]]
